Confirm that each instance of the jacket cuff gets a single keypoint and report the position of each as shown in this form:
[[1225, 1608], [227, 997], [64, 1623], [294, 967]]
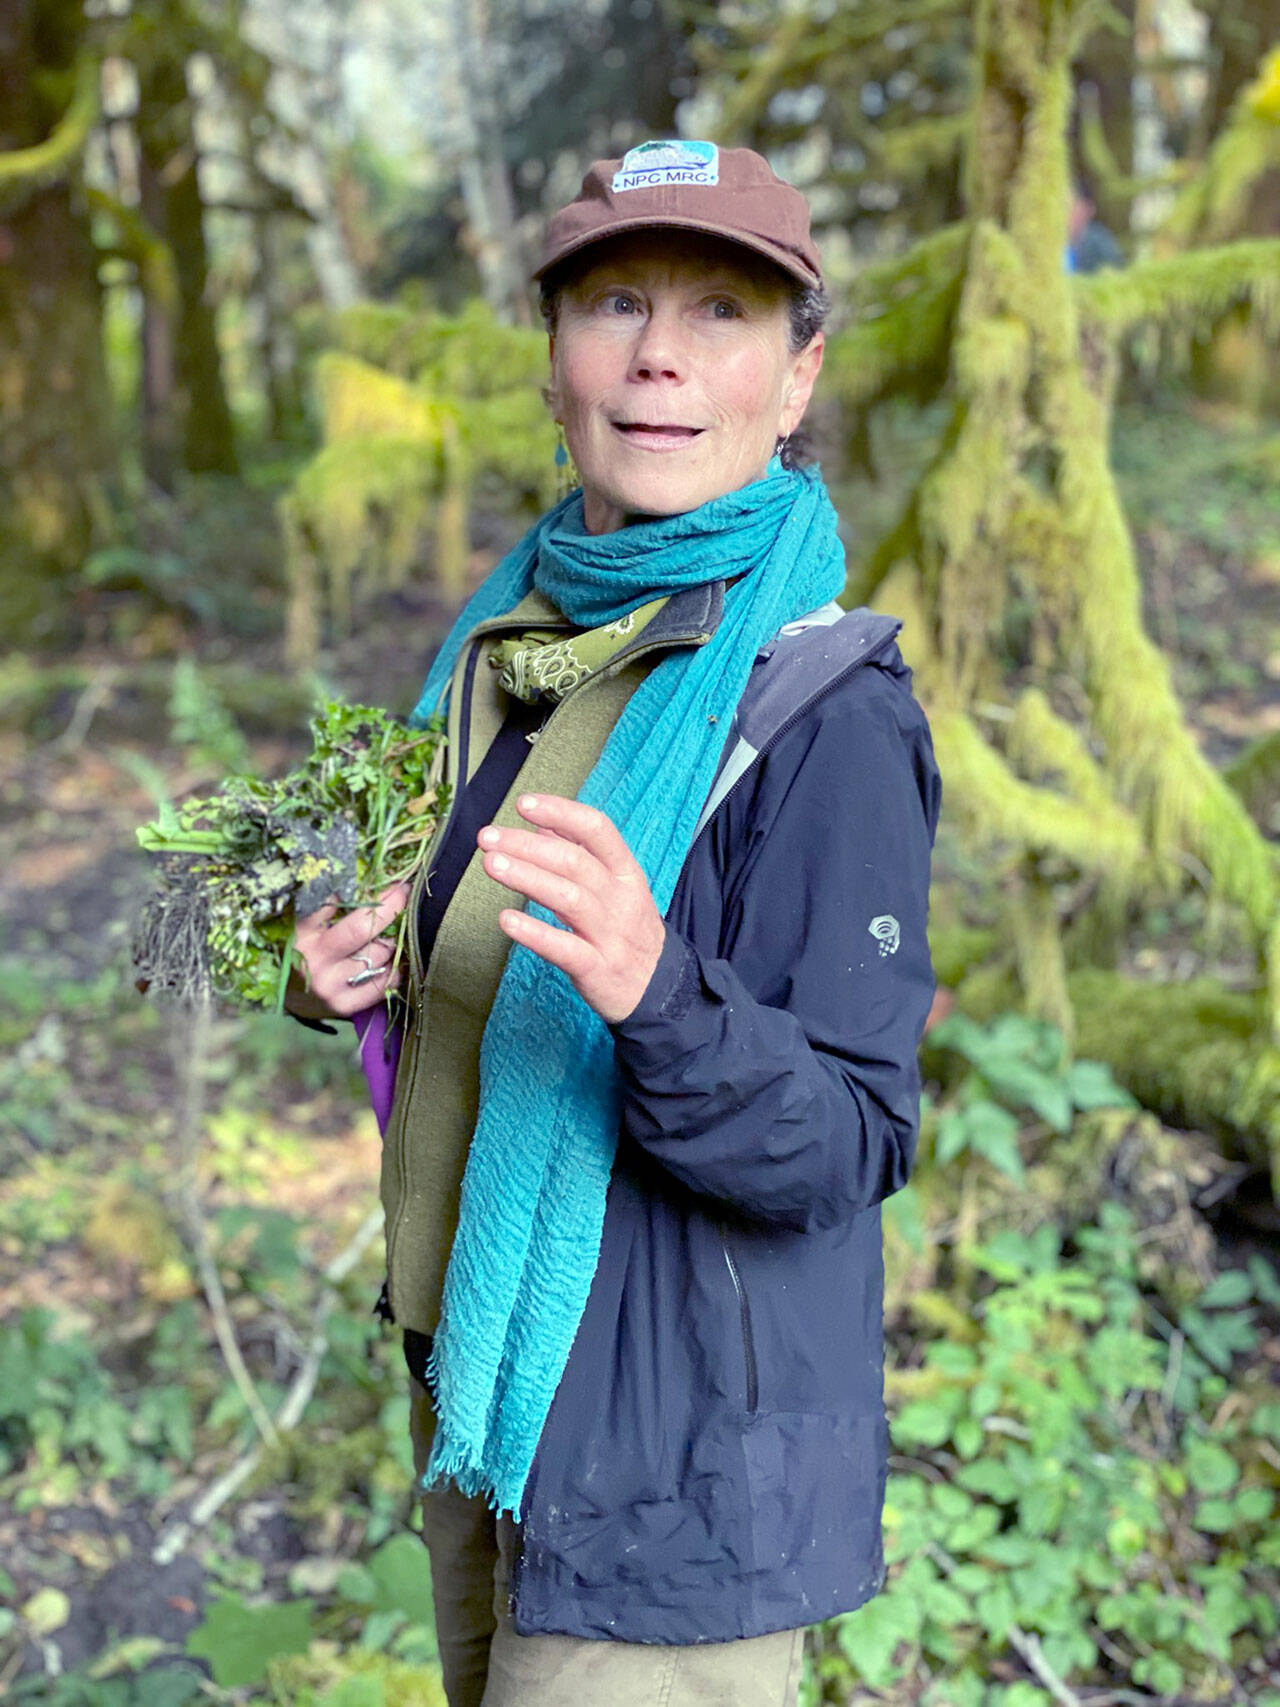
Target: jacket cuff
[[669, 994], [313, 1024]]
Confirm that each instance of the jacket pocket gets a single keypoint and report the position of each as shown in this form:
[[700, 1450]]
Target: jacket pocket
[[744, 1317]]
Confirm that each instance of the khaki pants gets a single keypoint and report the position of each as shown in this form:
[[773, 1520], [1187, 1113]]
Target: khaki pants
[[486, 1664]]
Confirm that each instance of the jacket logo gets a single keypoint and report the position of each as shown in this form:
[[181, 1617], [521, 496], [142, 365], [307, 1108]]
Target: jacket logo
[[886, 932]]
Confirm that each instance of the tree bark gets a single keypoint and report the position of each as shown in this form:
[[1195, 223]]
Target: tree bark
[[188, 411], [482, 168], [57, 448]]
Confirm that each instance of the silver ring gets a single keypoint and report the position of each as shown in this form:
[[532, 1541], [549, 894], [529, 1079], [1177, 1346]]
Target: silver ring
[[370, 971]]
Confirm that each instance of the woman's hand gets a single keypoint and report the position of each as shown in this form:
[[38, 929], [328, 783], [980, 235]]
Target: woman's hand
[[338, 950], [576, 864]]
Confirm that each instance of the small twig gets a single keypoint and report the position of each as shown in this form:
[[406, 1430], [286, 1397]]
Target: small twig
[[191, 1047], [1028, 1647], [1172, 1371], [1024, 1644], [292, 1406], [88, 705]]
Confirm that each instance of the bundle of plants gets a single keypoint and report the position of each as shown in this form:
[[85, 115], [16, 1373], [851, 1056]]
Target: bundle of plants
[[238, 867]]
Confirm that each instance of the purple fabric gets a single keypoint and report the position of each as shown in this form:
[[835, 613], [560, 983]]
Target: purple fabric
[[379, 1037]]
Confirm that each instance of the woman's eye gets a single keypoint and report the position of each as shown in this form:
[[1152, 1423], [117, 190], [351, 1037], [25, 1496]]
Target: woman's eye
[[619, 303], [725, 309]]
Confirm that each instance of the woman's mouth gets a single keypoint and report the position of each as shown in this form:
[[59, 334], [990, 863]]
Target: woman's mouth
[[657, 435]]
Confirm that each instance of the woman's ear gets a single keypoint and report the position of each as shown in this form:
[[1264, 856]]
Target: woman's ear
[[799, 387], [551, 390]]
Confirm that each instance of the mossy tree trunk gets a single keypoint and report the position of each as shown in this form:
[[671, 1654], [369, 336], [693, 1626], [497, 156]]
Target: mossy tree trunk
[[1061, 740], [56, 441], [187, 414]]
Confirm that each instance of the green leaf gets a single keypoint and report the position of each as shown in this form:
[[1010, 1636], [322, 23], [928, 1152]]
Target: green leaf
[[1254, 1505], [360, 1691], [379, 1628], [1090, 1084], [1158, 1672], [238, 1640], [967, 1437], [997, 1142], [1210, 1468], [1266, 1284], [991, 1478], [953, 1136], [47, 1610], [402, 1579], [973, 1531], [1228, 1290], [902, 1212], [924, 1422], [944, 1603], [872, 1636], [950, 1501], [996, 1610], [1215, 1516], [1219, 1338]]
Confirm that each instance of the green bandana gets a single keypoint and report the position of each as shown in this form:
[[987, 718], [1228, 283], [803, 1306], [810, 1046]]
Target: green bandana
[[545, 663]]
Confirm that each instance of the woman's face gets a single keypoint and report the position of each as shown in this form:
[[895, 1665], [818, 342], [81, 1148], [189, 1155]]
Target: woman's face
[[672, 374]]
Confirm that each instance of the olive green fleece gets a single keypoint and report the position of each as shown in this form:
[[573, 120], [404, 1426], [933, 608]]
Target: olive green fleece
[[437, 1085]]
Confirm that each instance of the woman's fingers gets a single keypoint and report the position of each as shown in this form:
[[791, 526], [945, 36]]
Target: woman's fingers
[[573, 902], [348, 948], [575, 863], [589, 828], [354, 930]]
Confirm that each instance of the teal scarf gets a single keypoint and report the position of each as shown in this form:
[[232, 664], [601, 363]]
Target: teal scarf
[[533, 1195]]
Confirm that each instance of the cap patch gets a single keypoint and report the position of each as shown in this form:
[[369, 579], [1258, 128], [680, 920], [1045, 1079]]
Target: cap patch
[[656, 163]]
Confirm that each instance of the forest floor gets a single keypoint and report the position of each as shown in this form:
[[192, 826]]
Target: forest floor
[[116, 1409]]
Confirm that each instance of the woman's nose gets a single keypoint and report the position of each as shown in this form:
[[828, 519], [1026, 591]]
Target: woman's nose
[[659, 351]]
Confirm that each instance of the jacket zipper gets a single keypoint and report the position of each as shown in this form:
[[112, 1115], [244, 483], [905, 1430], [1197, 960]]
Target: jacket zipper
[[417, 971], [744, 1315]]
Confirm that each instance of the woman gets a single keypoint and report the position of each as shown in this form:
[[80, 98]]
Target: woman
[[634, 1164]]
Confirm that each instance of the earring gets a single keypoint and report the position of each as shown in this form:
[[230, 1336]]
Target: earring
[[566, 474]]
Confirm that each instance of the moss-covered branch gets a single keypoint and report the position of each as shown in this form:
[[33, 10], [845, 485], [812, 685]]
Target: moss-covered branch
[[1213, 204], [26, 171], [1003, 813], [1197, 287], [137, 241]]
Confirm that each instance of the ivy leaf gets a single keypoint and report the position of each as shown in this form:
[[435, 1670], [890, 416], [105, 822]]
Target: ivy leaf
[[238, 1640]]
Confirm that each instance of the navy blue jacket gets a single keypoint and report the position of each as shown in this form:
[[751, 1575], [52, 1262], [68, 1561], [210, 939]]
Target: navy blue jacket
[[713, 1464]]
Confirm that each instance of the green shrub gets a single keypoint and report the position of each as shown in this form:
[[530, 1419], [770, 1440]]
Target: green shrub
[[1071, 1493]]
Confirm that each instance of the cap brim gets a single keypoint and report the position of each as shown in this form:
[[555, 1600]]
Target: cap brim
[[783, 258]]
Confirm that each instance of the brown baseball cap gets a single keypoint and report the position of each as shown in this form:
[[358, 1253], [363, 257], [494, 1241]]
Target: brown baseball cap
[[692, 186]]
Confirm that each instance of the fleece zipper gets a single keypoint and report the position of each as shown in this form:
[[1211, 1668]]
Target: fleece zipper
[[622, 659]]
